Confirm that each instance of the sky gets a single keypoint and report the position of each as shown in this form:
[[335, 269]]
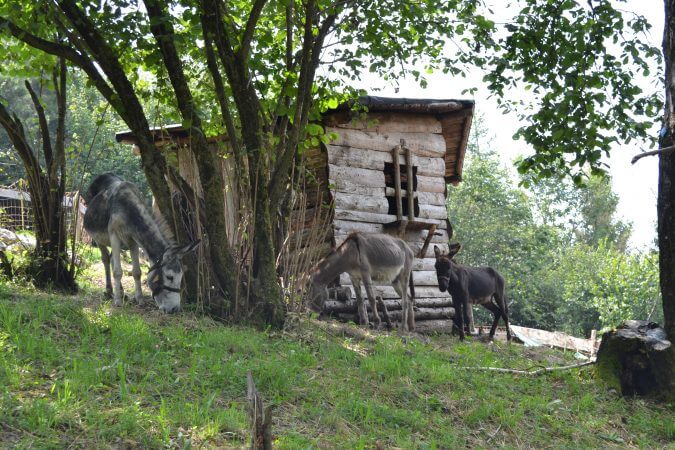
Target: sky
[[636, 185]]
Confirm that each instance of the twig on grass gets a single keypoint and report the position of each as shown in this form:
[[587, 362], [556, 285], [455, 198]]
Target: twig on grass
[[530, 372]]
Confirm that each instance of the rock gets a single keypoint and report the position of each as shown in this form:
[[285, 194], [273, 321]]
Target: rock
[[638, 359], [9, 240]]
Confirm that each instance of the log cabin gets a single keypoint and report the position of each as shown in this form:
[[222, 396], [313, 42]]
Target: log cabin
[[386, 170]]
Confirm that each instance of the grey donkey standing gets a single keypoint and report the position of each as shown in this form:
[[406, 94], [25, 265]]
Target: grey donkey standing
[[471, 285], [117, 217], [368, 258]]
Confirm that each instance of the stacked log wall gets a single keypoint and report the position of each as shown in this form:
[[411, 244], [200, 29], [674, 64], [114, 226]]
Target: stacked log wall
[[356, 178]]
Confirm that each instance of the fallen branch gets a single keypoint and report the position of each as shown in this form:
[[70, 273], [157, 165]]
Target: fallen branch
[[636, 158], [531, 372]]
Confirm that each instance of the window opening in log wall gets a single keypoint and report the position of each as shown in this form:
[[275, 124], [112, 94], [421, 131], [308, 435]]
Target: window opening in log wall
[[389, 182]]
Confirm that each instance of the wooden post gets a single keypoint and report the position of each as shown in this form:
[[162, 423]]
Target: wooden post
[[423, 251], [409, 184], [261, 420], [397, 182]]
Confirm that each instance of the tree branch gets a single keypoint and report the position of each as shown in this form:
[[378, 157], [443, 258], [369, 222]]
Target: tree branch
[[60, 78], [44, 127], [78, 59], [251, 23], [312, 47], [17, 136], [212, 64], [636, 158]]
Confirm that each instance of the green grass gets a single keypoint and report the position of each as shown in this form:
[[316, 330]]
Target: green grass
[[76, 372]]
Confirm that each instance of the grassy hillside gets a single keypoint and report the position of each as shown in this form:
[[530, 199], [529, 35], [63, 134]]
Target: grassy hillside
[[75, 373]]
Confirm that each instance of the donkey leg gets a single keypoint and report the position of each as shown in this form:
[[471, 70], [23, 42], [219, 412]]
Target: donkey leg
[[136, 272], [504, 307], [384, 312], [118, 291], [407, 307], [460, 305], [368, 283], [469, 318], [360, 306], [105, 257], [497, 314]]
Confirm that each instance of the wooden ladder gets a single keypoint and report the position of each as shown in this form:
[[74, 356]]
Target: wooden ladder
[[401, 225]]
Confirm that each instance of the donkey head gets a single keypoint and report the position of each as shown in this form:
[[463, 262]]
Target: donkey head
[[164, 278], [317, 293], [444, 264]]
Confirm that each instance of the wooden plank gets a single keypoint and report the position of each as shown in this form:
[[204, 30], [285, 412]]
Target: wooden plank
[[385, 122], [420, 278], [397, 181], [415, 246], [428, 198], [388, 292], [430, 184], [345, 227], [392, 304], [414, 239], [433, 326], [409, 185], [364, 203], [421, 314], [358, 176], [360, 216], [347, 187], [425, 263], [375, 160], [422, 144], [557, 339], [433, 212]]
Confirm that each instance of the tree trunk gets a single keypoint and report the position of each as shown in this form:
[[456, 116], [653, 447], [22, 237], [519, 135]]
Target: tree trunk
[[49, 265], [268, 301], [666, 189]]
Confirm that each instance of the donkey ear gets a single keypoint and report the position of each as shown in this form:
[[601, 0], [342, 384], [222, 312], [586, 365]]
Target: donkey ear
[[437, 251], [182, 251], [454, 249]]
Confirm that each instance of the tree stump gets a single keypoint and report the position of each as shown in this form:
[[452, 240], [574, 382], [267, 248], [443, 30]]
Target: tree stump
[[637, 359]]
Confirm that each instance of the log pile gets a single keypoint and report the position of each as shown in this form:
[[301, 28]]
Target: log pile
[[431, 314]]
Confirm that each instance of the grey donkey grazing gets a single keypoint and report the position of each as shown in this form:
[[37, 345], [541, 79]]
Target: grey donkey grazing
[[471, 285], [368, 258], [117, 217]]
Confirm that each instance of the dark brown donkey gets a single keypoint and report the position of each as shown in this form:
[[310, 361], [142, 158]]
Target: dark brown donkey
[[471, 285]]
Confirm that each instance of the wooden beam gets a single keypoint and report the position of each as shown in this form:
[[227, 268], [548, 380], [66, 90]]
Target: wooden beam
[[410, 182], [397, 182], [421, 144], [430, 234]]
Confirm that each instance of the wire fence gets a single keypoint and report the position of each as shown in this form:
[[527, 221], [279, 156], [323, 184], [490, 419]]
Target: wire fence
[[16, 213]]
